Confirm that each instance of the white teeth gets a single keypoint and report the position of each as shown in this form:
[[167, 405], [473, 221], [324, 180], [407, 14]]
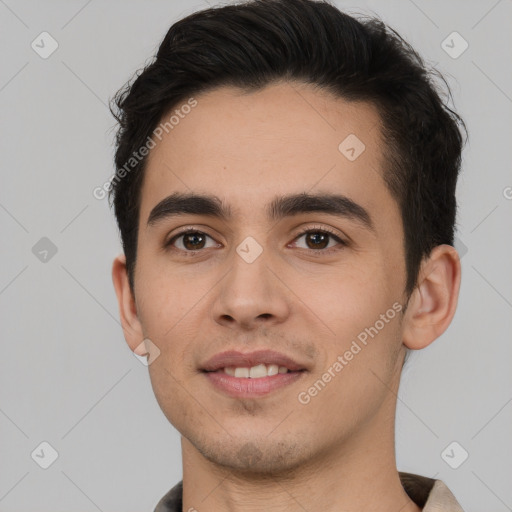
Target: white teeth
[[256, 372], [241, 372], [272, 369]]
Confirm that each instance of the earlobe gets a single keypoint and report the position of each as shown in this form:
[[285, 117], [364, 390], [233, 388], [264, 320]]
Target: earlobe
[[434, 300], [130, 323]]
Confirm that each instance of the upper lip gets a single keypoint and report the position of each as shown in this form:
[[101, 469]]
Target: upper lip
[[236, 359]]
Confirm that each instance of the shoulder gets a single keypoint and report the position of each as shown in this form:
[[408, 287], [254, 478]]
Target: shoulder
[[430, 494], [172, 500]]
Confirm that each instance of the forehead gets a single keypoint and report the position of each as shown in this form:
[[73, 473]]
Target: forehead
[[246, 148]]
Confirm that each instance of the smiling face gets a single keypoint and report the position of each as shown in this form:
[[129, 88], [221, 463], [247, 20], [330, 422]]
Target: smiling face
[[252, 280]]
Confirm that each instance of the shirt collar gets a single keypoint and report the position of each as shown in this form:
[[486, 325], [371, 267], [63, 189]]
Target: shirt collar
[[429, 494]]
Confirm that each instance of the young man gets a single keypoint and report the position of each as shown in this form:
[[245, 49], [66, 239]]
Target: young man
[[285, 192]]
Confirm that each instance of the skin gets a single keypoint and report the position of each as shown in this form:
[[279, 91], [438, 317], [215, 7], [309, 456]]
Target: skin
[[273, 453]]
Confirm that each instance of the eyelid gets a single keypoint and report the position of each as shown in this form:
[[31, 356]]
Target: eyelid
[[340, 238], [187, 229], [184, 231], [319, 227]]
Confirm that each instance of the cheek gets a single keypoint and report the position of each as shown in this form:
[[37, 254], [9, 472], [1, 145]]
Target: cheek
[[171, 306], [361, 313], [165, 296], [347, 299], [173, 394], [160, 313]]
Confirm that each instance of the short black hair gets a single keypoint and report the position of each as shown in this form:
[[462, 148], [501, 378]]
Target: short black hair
[[253, 44]]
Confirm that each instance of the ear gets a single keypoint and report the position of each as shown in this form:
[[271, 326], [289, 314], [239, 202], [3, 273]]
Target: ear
[[433, 302], [130, 323]]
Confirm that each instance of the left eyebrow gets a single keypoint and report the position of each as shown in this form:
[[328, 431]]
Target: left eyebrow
[[179, 203], [332, 204]]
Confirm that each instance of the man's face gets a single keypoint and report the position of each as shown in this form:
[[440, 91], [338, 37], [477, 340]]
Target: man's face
[[308, 297]]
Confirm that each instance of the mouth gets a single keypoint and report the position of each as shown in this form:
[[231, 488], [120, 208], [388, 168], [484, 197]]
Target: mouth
[[255, 372], [246, 375]]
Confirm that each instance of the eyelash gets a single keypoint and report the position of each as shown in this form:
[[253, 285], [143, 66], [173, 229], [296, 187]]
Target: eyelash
[[323, 230]]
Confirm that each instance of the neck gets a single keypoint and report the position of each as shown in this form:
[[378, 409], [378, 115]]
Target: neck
[[358, 474]]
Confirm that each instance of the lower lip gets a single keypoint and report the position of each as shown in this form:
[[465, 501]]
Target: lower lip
[[249, 388]]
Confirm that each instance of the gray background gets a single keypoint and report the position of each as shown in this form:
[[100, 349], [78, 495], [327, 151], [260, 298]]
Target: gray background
[[67, 376]]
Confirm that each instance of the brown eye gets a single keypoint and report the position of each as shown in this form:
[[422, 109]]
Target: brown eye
[[318, 240], [189, 241], [193, 241]]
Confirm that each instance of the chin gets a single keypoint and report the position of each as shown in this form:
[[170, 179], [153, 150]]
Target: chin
[[254, 458]]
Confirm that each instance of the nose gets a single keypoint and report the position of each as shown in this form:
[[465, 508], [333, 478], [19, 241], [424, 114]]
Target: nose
[[251, 295]]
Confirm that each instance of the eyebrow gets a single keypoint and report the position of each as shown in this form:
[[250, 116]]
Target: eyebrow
[[180, 203]]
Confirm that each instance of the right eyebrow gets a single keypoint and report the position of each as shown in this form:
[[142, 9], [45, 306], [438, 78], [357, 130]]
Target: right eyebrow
[[180, 203]]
